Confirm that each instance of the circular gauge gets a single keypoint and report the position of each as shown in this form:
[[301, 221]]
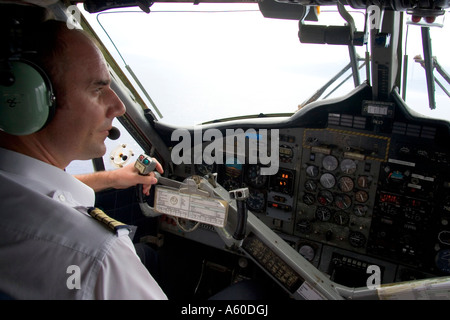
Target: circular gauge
[[254, 177], [312, 171], [307, 252], [327, 180], [356, 239], [231, 184], [343, 201], [256, 201], [348, 166], [310, 185], [360, 210], [361, 196], [341, 218], [325, 197], [363, 181], [330, 163], [308, 199], [323, 214], [345, 184]]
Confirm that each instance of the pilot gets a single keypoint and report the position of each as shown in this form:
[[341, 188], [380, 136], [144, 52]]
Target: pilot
[[51, 246]]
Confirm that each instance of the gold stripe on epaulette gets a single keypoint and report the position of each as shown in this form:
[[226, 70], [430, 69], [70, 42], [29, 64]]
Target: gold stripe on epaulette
[[99, 215]]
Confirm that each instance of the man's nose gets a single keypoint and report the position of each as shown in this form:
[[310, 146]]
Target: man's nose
[[116, 105]]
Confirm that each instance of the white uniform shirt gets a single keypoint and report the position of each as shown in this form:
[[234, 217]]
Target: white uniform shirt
[[51, 248]]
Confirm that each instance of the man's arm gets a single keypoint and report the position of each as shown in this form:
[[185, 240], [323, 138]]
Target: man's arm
[[122, 178], [114, 279]]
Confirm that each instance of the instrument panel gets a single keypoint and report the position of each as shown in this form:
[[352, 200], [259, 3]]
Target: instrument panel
[[359, 183]]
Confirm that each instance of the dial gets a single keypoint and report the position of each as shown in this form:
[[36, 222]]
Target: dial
[[356, 239], [310, 185], [256, 201], [341, 218], [327, 180], [345, 184], [308, 199], [363, 181], [348, 166], [312, 171], [231, 184], [307, 252], [361, 196], [254, 177], [343, 201], [323, 214], [360, 210], [325, 197], [330, 163]]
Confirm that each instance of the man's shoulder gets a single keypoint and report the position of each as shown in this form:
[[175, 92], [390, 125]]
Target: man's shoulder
[[35, 216]]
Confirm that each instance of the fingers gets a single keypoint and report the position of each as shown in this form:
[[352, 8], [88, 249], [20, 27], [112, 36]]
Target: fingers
[[150, 180], [153, 180], [146, 189], [159, 167]]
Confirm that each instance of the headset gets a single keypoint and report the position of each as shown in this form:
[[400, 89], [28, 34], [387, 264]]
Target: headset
[[27, 99]]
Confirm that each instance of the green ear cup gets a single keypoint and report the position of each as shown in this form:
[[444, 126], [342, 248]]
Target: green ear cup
[[27, 105]]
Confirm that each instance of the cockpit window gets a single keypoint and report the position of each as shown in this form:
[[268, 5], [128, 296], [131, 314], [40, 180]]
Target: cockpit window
[[200, 63]]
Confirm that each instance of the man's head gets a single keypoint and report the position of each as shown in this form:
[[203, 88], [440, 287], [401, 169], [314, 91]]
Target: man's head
[[85, 102]]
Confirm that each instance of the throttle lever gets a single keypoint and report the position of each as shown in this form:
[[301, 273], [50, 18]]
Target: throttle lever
[[144, 164], [194, 199]]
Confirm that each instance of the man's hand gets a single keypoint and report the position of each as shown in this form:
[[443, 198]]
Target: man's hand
[[122, 178]]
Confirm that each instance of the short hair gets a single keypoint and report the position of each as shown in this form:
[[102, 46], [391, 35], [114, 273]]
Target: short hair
[[29, 32], [16, 21], [48, 49]]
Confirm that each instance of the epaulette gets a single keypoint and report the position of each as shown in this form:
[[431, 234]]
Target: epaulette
[[114, 225]]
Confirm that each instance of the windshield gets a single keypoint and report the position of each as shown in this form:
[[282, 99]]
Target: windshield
[[204, 62]]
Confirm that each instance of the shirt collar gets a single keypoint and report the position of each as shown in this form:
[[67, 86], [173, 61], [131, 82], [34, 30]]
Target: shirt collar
[[46, 179]]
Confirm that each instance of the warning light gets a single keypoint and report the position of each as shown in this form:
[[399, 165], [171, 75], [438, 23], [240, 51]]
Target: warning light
[[283, 181], [389, 198]]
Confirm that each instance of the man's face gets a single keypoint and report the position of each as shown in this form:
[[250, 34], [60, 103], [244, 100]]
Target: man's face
[[86, 104]]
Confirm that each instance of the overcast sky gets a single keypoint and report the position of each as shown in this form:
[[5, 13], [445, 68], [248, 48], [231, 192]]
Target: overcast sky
[[204, 66]]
